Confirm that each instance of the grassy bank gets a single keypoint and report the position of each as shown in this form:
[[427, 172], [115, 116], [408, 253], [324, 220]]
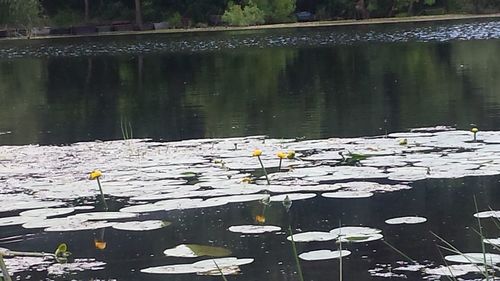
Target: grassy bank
[[436, 18]]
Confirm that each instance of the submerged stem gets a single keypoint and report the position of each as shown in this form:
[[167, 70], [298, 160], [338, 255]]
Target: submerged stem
[[299, 270], [264, 170], [102, 194]]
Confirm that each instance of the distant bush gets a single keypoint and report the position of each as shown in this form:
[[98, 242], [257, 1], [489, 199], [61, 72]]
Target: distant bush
[[277, 10], [174, 20], [249, 15], [66, 17]]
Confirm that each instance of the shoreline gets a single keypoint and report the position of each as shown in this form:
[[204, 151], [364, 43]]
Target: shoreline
[[312, 24]]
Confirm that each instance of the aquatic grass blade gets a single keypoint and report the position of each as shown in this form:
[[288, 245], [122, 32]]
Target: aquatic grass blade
[[483, 248], [453, 249], [5, 273], [400, 252], [452, 278], [220, 271]]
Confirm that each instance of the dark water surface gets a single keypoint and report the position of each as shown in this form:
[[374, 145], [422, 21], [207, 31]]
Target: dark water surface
[[312, 83]]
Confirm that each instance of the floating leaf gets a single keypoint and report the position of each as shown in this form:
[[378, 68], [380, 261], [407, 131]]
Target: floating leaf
[[406, 220], [453, 270], [47, 212], [195, 250], [487, 214], [141, 225], [347, 194], [254, 229], [352, 238], [200, 267], [323, 255], [312, 236], [292, 197], [476, 258], [492, 241]]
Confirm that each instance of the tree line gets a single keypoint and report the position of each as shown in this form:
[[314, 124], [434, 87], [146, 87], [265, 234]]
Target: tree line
[[192, 13]]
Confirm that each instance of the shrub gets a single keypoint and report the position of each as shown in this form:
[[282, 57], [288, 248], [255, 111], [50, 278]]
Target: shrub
[[174, 20], [66, 17], [249, 15]]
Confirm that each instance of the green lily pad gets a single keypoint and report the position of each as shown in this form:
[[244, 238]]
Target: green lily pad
[[188, 175]]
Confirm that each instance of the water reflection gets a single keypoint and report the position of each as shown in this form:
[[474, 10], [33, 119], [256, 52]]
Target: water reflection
[[283, 92]]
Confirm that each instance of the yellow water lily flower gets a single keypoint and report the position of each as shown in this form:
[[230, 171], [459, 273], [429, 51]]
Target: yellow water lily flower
[[95, 174], [281, 155], [291, 154], [246, 180], [100, 244], [260, 219], [403, 142], [474, 130], [257, 153]]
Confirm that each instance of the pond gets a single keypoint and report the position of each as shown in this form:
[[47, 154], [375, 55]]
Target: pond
[[172, 122]]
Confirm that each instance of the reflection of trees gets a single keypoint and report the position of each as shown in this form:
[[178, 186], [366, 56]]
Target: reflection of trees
[[408, 84], [21, 97], [241, 92], [283, 92]]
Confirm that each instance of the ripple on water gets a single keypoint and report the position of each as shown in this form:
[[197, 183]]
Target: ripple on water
[[324, 36]]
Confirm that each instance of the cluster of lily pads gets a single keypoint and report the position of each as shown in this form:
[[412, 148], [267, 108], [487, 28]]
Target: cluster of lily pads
[[42, 185]]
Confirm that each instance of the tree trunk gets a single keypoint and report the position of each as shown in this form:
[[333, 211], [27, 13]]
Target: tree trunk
[[138, 13], [361, 9], [86, 11], [393, 9], [410, 8]]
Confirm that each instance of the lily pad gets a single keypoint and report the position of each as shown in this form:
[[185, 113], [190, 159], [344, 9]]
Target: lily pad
[[96, 216], [292, 196], [354, 230], [476, 258], [254, 229], [487, 214], [360, 238], [453, 270], [203, 266], [323, 255], [141, 225], [347, 194], [47, 212], [195, 250], [78, 226], [16, 220], [492, 241], [312, 236], [406, 220]]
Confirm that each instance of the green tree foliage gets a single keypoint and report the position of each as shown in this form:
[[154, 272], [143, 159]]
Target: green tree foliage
[[330, 9], [248, 15], [276, 10], [25, 13]]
